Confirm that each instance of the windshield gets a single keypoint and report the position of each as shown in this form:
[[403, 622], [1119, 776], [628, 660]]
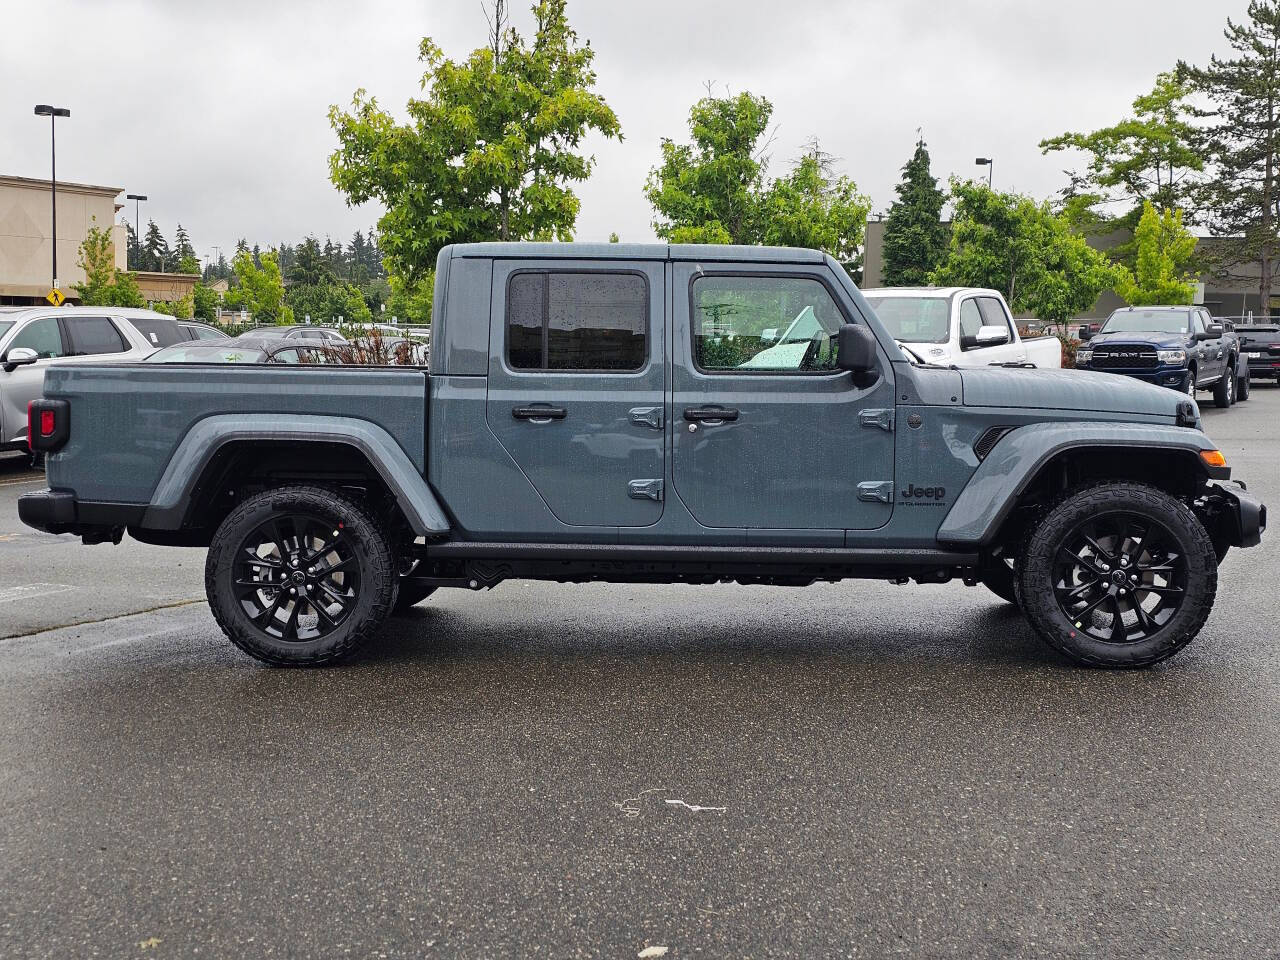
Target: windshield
[[914, 319], [207, 353], [1146, 321]]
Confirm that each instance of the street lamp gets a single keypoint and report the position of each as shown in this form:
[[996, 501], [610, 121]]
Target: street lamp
[[989, 163], [44, 110], [137, 199]]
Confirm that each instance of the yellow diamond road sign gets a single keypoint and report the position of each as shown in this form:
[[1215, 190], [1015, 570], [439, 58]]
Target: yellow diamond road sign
[[55, 297]]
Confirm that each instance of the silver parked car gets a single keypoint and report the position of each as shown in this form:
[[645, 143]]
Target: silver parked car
[[32, 338]]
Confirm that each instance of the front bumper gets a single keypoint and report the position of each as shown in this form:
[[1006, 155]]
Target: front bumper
[[1174, 378]]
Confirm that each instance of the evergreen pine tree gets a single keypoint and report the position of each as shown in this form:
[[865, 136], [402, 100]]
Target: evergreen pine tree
[[155, 248], [915, 238], [1243, 139]]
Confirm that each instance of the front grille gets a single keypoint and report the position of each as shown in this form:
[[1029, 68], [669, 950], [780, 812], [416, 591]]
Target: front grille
[[1124, 358]]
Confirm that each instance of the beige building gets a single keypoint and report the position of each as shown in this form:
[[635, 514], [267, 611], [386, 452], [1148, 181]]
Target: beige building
[[26, 247]]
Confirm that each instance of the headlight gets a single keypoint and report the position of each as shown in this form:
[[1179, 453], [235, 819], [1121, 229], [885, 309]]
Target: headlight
[[1084, 356], [1171, 356]]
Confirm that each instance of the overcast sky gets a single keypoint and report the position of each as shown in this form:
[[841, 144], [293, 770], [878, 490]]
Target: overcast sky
[[217, 110]]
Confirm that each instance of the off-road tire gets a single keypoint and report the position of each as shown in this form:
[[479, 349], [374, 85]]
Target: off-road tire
[[411, 594], [370, 547], [1076, 507], [1242, 387], [1224, 391]]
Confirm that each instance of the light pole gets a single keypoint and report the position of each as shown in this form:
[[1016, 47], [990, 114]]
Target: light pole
[[44, 110], [137, 199], [989, 163]]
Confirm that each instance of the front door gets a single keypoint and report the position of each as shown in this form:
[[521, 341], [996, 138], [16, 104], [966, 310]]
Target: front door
[[766, 432], [577, 384]]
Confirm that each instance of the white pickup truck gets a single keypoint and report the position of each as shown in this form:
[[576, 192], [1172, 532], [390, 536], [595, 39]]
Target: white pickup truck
[[964, 326]]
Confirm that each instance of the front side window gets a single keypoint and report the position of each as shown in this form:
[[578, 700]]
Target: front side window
[[764, 324], [94, 335], [970, 318], [992, 313], [577, 321], [42, 336]]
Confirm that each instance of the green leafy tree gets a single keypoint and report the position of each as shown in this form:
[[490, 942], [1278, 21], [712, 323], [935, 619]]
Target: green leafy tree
[[189, 264], [708, 190], [714, 189], [204, 303], [411, 303], [1153, 155], [1240, 200], [259, 288], [1164, 249], [489, 152], [104, 285], [817, 208], [1023, 249], [181, 309], [915, 238], [327, 302]]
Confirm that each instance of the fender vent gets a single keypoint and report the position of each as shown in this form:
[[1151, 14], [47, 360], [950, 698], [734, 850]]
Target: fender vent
[[990, 437]]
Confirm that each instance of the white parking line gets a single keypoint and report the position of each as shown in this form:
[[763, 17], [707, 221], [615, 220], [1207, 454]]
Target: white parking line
[[25, 591]]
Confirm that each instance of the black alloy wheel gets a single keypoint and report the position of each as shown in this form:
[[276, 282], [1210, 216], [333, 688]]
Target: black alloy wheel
[[301, 575], [297, 577], [1119, 578]]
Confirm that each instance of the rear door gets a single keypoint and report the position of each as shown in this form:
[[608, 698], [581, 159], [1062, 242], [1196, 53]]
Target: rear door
[[577, 381]]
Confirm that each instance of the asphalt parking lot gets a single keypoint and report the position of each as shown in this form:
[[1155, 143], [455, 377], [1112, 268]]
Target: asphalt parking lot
[[547, 771]]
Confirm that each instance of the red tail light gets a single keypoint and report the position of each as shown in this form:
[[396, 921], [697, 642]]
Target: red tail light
[[48, 424]]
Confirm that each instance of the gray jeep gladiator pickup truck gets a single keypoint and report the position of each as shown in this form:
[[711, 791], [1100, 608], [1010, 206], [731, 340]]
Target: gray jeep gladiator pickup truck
[[631, 413]]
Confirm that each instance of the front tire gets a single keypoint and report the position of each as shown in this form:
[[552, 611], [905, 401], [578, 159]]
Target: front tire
[[1242, 387], [1118, 575], [300, 576]]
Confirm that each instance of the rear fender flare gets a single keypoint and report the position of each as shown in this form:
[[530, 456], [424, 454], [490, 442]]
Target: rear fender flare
[[1017, 459], [171, 500]]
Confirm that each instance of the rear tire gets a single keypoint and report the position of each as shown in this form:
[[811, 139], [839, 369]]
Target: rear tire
[[1224, 391], [300, 576], [1118, 575], [1242, 387]]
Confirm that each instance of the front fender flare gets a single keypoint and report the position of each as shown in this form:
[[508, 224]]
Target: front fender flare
[[172, 497], [993, 490]]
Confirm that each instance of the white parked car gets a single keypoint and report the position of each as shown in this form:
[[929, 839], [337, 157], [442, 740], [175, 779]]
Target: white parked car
[[32, 338], [964, 326]]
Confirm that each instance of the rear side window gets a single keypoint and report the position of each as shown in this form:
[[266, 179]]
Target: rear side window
[[159, 331], [93, 335], [577, 321]]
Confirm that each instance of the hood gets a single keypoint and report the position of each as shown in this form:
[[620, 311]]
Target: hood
[[1161, 341], [1067, 390]]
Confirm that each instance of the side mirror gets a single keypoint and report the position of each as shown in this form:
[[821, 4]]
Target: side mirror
[[991, 336], [1214, 330], [1086, 333], [856, 349], [1200, 335], [19, 357]]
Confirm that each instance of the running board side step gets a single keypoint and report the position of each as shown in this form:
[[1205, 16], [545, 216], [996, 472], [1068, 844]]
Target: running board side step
[[852, 556]]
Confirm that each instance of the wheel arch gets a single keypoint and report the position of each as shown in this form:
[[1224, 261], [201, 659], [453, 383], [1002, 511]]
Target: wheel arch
[[222, 458], [1032, 464]]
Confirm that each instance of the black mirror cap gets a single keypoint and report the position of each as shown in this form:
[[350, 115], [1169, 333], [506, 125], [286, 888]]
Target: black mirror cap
[[1086, 333], [1214, 330], [856, 348], [1200, 335]]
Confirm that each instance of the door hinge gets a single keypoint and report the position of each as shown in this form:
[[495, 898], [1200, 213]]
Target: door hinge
[[876, 491], [645, 490], [877, 418], [647, 416]]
